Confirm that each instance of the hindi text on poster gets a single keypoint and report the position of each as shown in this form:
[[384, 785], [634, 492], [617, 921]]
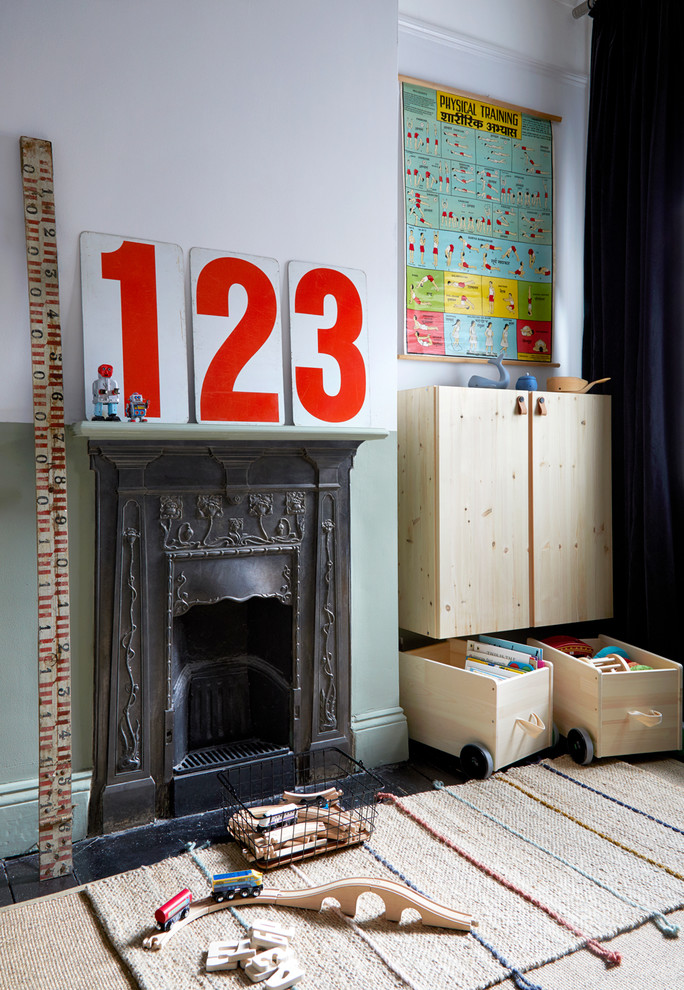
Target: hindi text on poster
[[466, 112]]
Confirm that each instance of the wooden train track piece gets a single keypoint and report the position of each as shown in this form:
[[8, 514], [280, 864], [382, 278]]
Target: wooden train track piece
[[396, 896], [329, 795]]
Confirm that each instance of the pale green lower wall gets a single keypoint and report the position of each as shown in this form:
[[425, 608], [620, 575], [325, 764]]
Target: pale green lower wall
[[19, 624], [18, 608], [378, 724]]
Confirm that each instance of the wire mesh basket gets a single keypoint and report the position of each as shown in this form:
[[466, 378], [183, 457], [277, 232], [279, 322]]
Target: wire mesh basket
[[303, 804]]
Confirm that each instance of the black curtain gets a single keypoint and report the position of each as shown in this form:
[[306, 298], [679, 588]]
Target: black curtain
[[634, 305]]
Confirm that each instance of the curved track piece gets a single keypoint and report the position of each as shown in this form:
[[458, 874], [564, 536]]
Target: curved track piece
[[397, 898]]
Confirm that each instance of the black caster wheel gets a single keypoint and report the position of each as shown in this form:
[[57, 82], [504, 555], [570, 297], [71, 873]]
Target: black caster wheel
[[476, 761], [580, 746]]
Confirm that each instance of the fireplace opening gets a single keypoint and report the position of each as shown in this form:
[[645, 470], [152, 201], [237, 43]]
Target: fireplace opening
[[232, 690]]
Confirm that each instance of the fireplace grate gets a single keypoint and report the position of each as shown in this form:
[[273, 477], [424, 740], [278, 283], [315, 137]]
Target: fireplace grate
[[229, 753]]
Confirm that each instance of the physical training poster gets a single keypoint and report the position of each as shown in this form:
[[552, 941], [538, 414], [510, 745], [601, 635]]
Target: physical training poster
[[478, 189]]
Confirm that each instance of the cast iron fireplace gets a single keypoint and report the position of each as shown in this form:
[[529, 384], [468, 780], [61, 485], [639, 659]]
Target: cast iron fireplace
[[222, 613]]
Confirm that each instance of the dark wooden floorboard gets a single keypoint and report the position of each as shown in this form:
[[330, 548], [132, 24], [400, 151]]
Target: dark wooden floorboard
[[5, 888], [23, 877]]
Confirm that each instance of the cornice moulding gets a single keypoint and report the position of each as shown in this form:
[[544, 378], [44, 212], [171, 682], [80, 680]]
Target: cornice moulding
[[441, 36]]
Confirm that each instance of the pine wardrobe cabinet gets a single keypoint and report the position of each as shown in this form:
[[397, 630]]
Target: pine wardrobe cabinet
[[504, 509]]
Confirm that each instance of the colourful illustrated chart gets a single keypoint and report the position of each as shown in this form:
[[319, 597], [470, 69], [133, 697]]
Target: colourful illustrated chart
[[478, 182]]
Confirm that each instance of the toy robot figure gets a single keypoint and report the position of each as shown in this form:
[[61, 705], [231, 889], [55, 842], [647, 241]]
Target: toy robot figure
[[105, 393], [136, 408]]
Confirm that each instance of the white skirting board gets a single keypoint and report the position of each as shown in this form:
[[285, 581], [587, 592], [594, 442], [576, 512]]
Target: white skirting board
[[19, 813]]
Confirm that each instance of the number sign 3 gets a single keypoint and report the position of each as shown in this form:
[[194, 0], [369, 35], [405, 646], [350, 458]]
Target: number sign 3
[[329, 342], [133, 319], [133, 295]]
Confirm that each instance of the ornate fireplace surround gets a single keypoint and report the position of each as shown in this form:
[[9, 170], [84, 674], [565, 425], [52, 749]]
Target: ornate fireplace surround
[[221, 608]]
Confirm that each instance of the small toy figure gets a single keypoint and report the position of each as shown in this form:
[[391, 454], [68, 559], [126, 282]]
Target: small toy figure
[[136, 408], [105, 393]]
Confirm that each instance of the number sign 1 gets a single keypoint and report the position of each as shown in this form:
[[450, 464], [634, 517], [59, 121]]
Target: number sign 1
[[237, 339], [329, 344], [133, 295]]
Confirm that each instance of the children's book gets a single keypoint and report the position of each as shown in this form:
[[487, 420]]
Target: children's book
[[501, 655], [535, 652], [479, 665]]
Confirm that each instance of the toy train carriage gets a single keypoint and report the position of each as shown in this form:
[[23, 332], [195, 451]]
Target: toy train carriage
[[246, 883], [276, 816], [173, 910]]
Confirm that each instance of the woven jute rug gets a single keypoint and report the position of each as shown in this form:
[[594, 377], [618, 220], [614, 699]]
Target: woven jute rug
[[552, 860], [58, 944]]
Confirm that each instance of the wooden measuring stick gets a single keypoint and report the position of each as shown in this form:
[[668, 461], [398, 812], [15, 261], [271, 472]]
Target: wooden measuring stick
[[54, 666]]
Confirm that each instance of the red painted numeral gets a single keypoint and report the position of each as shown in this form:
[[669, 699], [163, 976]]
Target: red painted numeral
[[219, 400], [337, 341], [133, 264]]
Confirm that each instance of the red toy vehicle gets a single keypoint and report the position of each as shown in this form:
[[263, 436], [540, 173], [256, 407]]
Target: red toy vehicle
[[173, 910]]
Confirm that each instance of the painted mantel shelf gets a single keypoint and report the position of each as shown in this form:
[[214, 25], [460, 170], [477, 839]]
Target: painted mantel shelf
[[210, 431]]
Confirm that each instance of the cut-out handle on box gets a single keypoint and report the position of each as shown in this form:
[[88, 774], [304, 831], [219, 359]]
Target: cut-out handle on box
[[533, 726], [647, 718]]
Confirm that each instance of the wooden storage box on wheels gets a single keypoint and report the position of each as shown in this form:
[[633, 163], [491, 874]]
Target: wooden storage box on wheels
[[615, 713], [486, 723]]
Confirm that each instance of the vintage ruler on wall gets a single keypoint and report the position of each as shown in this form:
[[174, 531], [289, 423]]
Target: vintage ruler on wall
[[54, 664]]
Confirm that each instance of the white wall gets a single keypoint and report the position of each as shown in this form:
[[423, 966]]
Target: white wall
[[263, 127], [533, 54]]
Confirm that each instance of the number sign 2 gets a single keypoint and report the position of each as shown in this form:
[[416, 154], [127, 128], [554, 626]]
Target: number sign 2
[[329, 343], [133, 295], [237, 339], [133, 318]]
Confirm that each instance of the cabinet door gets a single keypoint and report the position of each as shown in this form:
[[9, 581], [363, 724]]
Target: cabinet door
[[572, 558], [418, 510], [483, 498]]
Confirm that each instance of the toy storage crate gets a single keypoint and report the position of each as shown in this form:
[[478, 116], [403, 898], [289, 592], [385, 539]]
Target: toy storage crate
[[618, 713], [302, 805], [487, 723]]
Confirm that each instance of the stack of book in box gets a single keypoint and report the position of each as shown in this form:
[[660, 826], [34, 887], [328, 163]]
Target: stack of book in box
[[501, 658]]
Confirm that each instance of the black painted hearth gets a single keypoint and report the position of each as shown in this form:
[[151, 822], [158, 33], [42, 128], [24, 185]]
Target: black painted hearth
[[222, 613]]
